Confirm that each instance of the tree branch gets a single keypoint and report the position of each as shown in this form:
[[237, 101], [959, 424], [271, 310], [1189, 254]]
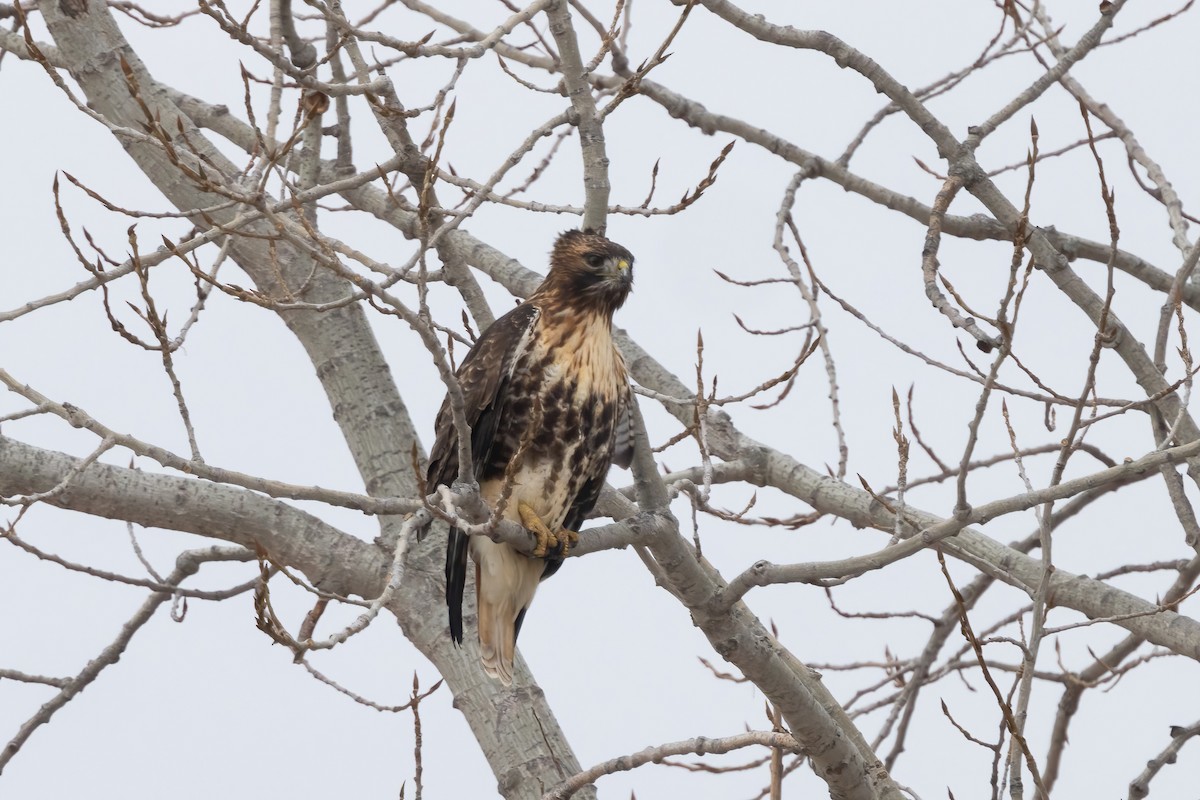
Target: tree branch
[[187, 565], [591, 132]]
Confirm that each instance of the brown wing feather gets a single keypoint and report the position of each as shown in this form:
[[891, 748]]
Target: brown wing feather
[[623, 450], [483, 377]]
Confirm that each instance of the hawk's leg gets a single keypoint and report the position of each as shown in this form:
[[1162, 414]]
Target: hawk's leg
[[549, 542]]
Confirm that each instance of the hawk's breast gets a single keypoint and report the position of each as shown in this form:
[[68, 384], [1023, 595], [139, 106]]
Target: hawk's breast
[[565, 394]]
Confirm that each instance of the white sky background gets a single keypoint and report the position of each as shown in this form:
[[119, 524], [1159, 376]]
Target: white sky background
[[210, 708]]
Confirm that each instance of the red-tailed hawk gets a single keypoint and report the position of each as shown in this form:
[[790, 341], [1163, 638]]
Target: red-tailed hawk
[[544, 383]]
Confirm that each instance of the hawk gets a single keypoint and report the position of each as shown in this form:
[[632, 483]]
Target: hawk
[[548, 401]]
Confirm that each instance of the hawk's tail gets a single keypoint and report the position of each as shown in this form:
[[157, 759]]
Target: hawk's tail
[[505, 584], [456, 580], [497, 642]]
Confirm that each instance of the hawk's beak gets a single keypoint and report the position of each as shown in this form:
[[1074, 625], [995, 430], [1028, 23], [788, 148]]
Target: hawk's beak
[[624, 270]]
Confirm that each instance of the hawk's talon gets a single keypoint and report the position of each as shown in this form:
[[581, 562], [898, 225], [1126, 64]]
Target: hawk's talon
[[533, 523], [549, 544], [566, 540]]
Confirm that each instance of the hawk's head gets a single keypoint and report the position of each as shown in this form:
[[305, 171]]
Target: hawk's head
[[589, 270]]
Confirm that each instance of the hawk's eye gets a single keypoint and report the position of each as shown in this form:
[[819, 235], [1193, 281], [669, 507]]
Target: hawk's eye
[[594, 261]]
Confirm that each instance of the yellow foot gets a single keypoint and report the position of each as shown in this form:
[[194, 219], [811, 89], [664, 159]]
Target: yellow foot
[[566, 540], [549, 543]]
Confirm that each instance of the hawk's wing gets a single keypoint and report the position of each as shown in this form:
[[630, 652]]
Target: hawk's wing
[[483, 376], [623, 451]]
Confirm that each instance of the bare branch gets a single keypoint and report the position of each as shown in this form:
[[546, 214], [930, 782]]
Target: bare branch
[[187, 565], [699, 746]]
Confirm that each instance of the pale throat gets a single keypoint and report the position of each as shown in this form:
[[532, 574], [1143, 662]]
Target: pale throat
[[586, 353]]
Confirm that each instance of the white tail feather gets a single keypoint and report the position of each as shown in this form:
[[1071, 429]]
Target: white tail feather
[[507, 581]]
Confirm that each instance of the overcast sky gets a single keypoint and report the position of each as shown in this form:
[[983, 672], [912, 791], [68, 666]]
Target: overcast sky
[[209, 708]]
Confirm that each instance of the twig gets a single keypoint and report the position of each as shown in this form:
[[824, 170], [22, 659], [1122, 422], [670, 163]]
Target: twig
[[1139, 787], [699, 746], [187, 565]]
